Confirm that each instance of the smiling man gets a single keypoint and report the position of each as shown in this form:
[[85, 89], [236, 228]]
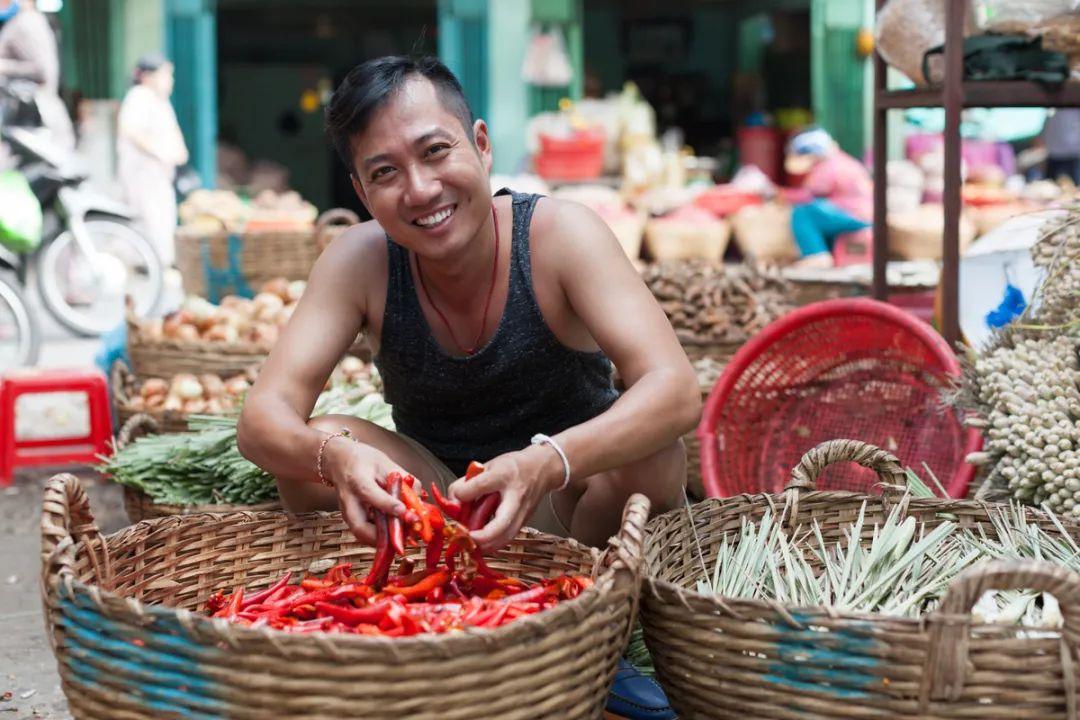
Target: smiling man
[[494, 322]]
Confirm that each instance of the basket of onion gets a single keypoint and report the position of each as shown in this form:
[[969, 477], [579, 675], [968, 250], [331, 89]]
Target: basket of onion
[[223, 339], [169, 401]]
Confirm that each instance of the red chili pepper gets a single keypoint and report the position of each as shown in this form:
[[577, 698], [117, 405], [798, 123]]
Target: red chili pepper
[[423, 587], [467, 506], [413, 503], [397, 530], [338, 574], [535, 594], [370, 615], [380, 566], [452, 508], [233, 607], [311, 583], [434, 549], [483, 510], [216, 601]]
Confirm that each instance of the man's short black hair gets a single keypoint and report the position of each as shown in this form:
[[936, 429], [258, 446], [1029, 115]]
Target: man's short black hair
[[372, 84]]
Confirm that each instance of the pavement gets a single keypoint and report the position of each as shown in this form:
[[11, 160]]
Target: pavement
[[27, 666]]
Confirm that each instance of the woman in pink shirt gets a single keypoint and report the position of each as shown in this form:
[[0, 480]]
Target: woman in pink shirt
[[843, 195]]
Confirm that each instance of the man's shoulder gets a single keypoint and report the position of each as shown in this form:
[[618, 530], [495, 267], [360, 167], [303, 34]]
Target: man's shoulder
[[563, 220]]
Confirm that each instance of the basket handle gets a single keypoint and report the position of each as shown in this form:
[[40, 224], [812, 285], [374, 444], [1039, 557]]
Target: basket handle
[[333, 216], [947, 656], [119, 376], [623, 555], [137, 425], [66, 520], [804, 476]]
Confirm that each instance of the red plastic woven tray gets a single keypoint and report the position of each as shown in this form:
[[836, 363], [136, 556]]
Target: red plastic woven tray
[[849, 368]]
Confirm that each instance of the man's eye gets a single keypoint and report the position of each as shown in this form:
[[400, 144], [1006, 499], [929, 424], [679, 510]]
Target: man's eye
[[381, 172], [437, 149]]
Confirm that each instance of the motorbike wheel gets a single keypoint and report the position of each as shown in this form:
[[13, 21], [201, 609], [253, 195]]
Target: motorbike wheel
[[20, 337], [88, 300]]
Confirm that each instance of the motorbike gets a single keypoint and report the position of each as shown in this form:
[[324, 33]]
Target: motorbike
[[90, 257]]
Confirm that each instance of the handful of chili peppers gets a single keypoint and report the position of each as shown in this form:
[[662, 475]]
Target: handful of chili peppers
[[455, 589]]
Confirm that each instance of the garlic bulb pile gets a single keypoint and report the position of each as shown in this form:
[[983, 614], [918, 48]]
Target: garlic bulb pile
[[1032, 392], [1058, 253], [1025, 386]]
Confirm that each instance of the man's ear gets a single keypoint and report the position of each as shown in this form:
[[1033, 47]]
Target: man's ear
[[483, 143], [359, 189]]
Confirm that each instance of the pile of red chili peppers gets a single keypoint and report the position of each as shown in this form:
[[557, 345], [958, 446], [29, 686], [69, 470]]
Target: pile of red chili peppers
[[456, 588]]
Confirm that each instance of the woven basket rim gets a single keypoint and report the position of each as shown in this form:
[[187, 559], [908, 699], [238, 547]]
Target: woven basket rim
[[731, 606], [76, 532], [564, 612], [201, 347]]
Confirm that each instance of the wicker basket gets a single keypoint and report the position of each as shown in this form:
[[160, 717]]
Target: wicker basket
[[918, 234], [667, 239], [738, 658], [123, 615], [124, 386], [166, 358], [763, 232], [138, 504], [261, 255], [332, 223]]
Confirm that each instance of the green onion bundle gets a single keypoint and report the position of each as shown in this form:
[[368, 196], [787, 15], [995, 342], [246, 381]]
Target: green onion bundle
[[900, 568], [205, 467]]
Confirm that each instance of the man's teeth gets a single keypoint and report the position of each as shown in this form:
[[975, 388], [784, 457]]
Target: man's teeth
[[436, 218]]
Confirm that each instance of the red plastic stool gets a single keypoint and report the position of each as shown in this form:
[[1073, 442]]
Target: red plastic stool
[[52, 451]]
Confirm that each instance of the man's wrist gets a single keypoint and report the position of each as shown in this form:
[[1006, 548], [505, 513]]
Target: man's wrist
[[552, 470]]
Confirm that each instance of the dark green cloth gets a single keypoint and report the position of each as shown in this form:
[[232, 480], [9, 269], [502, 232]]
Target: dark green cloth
[[1007, 57]]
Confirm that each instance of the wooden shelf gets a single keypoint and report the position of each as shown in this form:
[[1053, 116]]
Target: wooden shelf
[[989, 93]]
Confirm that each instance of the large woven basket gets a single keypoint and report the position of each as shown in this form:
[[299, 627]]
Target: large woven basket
[[737, 658], [139, 506], [124, 386], [667, 239], [123, 613], [166, 358]]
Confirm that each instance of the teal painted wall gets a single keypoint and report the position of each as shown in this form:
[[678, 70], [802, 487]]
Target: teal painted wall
[[508, 24], [191, 42]]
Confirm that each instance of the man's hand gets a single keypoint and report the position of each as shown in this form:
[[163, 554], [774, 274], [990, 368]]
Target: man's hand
[[358, 473], [522, 479]]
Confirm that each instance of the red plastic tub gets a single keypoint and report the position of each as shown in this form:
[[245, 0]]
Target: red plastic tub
[[850, 368]]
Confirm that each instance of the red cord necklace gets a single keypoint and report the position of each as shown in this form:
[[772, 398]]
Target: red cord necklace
[[487, 304]]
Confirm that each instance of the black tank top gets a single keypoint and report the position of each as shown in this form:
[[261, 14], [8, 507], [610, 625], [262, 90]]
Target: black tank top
[[523, 381]]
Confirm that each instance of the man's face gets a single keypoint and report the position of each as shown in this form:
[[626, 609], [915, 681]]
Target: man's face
[[420, 175]]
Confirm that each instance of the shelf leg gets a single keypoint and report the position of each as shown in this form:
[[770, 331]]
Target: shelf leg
[[953, 101]]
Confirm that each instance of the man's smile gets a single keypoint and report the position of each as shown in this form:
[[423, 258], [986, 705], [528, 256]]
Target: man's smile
[[436, 219]]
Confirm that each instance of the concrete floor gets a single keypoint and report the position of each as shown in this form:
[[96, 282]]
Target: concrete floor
[[27, 667]]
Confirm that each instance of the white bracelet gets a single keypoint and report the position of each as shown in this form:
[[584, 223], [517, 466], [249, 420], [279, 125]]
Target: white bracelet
[[541, 439]]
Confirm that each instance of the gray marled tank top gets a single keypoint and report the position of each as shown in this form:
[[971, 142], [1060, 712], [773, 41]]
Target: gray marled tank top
[[522, 382]]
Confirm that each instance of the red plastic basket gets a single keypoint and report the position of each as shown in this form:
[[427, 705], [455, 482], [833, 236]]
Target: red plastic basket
[[849, 368]]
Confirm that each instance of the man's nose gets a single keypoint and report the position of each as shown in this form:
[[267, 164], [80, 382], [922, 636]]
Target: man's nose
[[423, 186]]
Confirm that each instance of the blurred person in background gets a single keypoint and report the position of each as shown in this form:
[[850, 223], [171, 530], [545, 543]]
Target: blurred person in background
[[1061, 136], [28, 52], [842, 191], [150, 147]]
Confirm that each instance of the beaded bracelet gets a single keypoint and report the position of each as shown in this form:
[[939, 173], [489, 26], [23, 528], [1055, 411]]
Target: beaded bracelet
[[322, 449]]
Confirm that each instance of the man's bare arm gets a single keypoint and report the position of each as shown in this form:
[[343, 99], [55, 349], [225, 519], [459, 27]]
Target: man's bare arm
[[662, 400], [273, 431]]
